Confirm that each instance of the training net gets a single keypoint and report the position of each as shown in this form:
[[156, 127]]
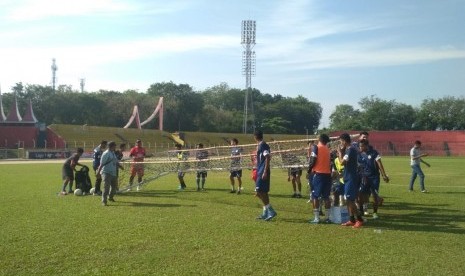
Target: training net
[[285, 154]]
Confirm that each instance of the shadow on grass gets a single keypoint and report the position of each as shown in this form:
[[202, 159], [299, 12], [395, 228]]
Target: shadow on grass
[[420, 218], [449, 193], [304, 196], [149, 193], [146, 204]]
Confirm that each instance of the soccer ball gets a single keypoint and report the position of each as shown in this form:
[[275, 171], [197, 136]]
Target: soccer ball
[[78, 192], [92, 191]]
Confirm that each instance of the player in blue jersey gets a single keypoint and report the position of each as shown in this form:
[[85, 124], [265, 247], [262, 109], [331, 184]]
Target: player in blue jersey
[[201, 155], [364, 135], [236, 167], [371, 168], [347, 155], [96, 155], [262, 184]]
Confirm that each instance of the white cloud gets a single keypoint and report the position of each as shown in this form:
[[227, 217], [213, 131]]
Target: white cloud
[[32, 10], [35, 10], [32, 65]]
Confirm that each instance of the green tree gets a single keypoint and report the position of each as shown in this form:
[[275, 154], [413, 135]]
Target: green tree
[[182, 105], [275, 125], [345, 117], [446, 113], [380, 114]]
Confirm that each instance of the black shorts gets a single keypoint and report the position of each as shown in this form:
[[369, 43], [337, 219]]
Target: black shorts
[[67, 172], [296, 172], [237, 174], [365, 185], [202, 174]]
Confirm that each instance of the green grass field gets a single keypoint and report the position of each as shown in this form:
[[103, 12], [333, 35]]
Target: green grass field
[[160, 231]]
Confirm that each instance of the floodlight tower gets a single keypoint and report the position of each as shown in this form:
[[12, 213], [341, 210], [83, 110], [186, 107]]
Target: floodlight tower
[[54, 74], [248, 62]]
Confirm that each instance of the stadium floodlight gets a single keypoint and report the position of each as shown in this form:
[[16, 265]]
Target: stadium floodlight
[[248, 63]]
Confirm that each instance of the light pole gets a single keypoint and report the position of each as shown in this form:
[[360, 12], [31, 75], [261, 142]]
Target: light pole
[[248, 63]]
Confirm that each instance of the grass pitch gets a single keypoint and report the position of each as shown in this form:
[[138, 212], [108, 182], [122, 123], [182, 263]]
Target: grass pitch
[[161, 231]]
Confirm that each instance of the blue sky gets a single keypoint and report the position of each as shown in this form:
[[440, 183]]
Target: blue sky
[[332, 52]]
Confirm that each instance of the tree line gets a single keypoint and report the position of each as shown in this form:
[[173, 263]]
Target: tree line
[[216, 109], [220, 109], [447, 113]]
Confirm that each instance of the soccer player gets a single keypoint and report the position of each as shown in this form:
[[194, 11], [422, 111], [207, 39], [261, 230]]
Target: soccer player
[[201, 155], [338, 181], [294, 172], [182, 156], [262, 184], [364, 135], [371, 169], [253, 162], [67, 170], [97, 154], [347, 155], [415, 161], [137, 167], [309, 176], [119, 154], [108, 169], [236, 168], [320, 167]]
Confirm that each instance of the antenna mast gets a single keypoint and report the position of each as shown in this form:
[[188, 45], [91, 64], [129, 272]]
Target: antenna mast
[[54, 74], [82, 83]]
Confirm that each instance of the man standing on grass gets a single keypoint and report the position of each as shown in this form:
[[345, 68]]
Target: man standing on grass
[[294, 173], [96, 156], [348, 155], [262, 184], [137, 167], [67, 170], [415, 160], [320, 167], [120, 155], [201, 155], [108, 169], [363, 135], [371, 169], [181, 156], [236, 167]]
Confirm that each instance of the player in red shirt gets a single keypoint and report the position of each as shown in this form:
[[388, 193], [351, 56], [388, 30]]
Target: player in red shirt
[[137, 153]]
